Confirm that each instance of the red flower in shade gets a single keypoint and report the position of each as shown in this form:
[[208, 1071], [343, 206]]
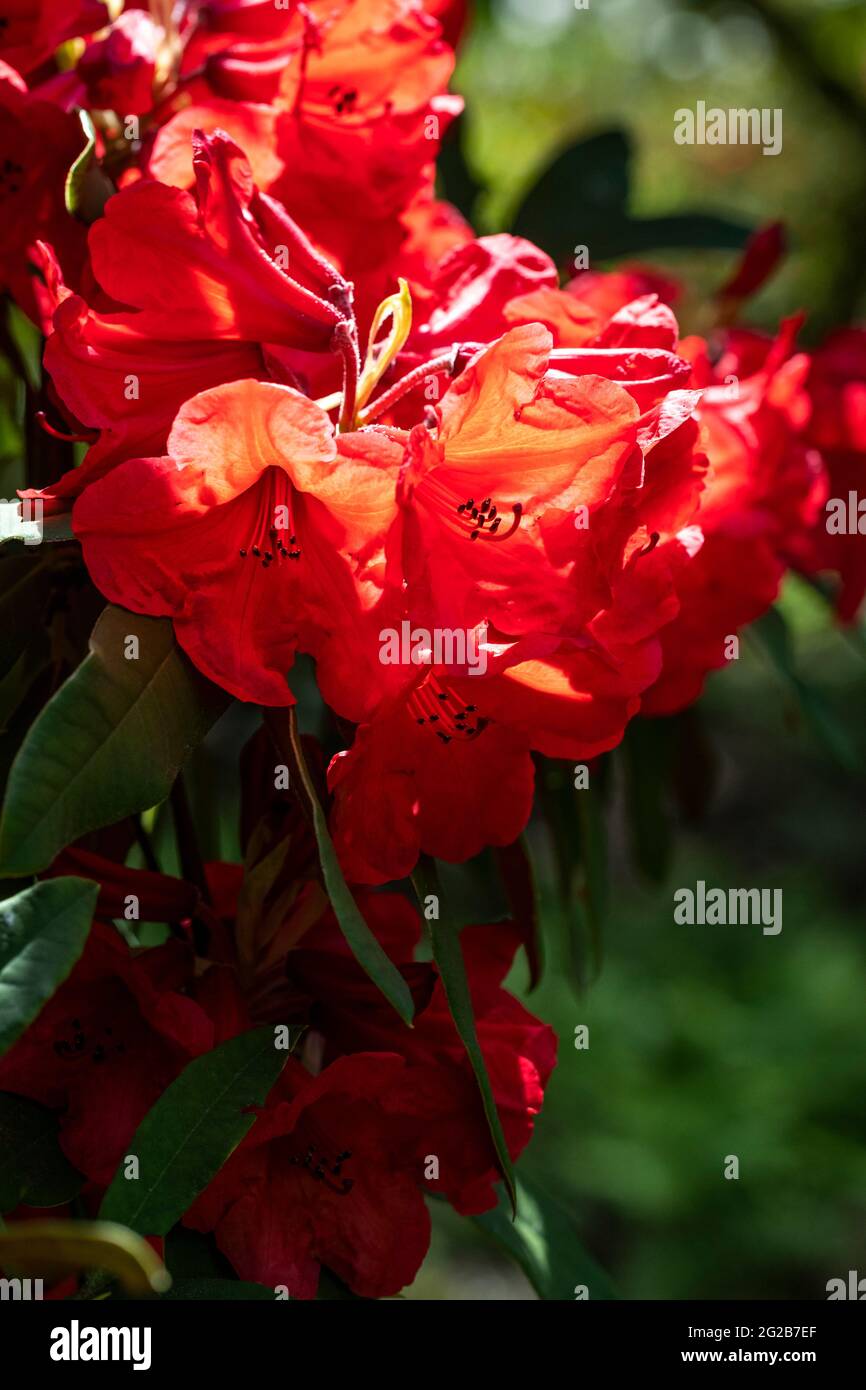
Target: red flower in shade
[[837, 428], [332, 1172], [438, 1087], [208, 296], [31, 30], [39, 143], [253, 534], [107, 1044], [326, 1176]]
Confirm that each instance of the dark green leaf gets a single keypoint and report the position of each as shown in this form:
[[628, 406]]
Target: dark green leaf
[[543, 1240], [515, 867], [448, 955], [772, 634], [87, 187], [109, 744], [207, 1289], [195, 1125], [361, 941], [33, 1168], [42, 934], [17, 683], [26, 583], [647, 749], [332, 1289], [581, 198], [457, 181], [592, 887]]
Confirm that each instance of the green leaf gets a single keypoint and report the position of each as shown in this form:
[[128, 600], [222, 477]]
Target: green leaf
[[110, 742], [26, 583], [33, 1168], [359, 938], [581, 198], [42, 934], [543, 1240], [16, 684], [332, 1289], [448, 955], [518, 880], [647, 749], [87, 187], [207, 1289], [192, 1129], [589, 883], [454, 174], [773, 636]]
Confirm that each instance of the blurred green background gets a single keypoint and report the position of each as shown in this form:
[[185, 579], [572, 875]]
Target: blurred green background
[[707, 1041], [538, 75]]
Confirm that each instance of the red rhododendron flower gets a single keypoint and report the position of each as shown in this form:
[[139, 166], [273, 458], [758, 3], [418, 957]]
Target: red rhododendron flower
[[763, 488], [577, 314], [486, 500], [325, 1176], [33, 29], [208, 295], [119, 68], [760, 492], [448, 763], [252, 533], [573, 567], [338, 106], [438, 1086], [837, 428], [107, 1044], [39, 143], [357, 1136], [304, 972]]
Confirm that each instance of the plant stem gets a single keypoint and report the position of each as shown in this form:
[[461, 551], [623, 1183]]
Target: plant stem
[[191, 862]]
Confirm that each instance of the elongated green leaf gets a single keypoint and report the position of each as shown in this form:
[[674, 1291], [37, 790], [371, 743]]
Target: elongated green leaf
[[594, 888], [191, 1131], [109, 744], [26, 583], [42, 934], [543, 1240], [361, 941], [453, 172], [773, 636], [87, 188], [648, 761], [448, 955], [33, 1168], [515, 867], [582, 198]]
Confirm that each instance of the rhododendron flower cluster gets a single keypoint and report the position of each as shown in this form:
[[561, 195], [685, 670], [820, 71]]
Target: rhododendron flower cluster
[[311, 409]]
